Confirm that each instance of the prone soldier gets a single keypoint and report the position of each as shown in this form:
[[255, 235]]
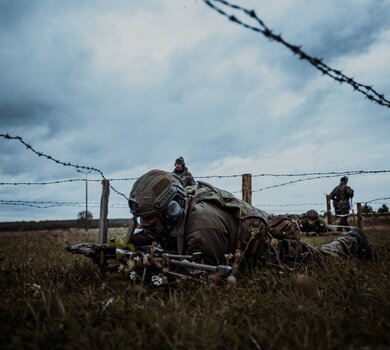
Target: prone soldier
[[219, 225], [311, 224]]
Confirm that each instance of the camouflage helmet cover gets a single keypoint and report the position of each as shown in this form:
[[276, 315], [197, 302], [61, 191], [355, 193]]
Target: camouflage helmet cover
[[153, 191], [312, 214]]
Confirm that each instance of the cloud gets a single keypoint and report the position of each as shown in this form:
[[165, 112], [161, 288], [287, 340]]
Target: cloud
[[12, 12], [127, 86]]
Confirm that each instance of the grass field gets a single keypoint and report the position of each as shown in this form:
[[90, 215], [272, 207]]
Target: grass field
[[52, 299]]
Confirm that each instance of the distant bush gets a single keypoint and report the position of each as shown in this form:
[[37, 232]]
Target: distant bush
[[84, 215], [367, 209], [383, 209]]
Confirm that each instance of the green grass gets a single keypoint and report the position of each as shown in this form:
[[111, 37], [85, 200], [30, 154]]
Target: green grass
[[52, 299]]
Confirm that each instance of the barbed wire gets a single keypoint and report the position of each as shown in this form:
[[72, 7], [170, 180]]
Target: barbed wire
[[43, 202], [289, 205], [94, 204], [42, 183], [263, 175], [41, 154], [335, 173], [53, 204], [366, 90], [377, 200], [293, 181], [67, 164], [313, 178], [217, 176], [289, 183]]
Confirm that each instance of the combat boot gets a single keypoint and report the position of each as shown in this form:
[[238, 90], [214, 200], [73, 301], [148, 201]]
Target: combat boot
[[365, 249]]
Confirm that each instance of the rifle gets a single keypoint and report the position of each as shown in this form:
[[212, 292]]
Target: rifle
[[150, 264]]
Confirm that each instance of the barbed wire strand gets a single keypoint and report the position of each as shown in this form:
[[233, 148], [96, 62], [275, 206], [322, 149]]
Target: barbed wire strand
[[42, 183], [44, 202], [41, 154], [335, 173], [290, 182], [67, 164], [367, 90], [96, 203], [52, 204], [289, 205], [295, 181], [42, 205], [377, 200]]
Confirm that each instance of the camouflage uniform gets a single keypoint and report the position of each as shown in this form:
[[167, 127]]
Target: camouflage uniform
[[184, 174], [341, 196], [217, 224], [318, 227]]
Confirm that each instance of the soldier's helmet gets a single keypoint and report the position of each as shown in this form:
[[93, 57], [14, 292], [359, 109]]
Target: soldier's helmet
[[154, 192], [312, 214], [344, 179]]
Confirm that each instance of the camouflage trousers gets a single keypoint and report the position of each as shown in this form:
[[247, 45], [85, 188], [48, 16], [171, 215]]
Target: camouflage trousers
[[287, 250]]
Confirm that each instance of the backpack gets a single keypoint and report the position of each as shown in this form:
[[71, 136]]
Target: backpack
[[284, 227]]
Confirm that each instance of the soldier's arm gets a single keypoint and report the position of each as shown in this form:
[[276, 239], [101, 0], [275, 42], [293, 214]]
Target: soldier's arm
[[212, 243], [191, 180], [323, 227]]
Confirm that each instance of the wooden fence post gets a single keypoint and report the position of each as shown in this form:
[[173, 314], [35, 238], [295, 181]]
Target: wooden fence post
[[328, 210], [359, 215], [247, 188], [103, 222]]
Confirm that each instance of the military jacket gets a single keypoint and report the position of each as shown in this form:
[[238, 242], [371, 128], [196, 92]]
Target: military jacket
[[318, 226], [217, 223], [341, 196], [185, 176]]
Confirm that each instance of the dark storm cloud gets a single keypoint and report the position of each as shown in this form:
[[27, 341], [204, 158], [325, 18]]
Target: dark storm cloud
[[12, 12], [22, 113], [355, 32], [42, 69]]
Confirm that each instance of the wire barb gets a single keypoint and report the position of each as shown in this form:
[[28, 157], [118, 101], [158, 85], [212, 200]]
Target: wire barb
[[336, 74], [67, 164]]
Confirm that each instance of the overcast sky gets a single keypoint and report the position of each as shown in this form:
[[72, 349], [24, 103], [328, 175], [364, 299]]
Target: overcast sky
[[128, 86]]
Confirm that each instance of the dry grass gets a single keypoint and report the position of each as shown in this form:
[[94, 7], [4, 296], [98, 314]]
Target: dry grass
[[52, 299]]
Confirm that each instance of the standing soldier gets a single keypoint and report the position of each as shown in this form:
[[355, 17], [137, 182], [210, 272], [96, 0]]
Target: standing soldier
[[220, 226], [341, 196], [182, 171]]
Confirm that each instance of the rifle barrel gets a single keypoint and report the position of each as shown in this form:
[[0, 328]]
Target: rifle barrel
[[222, 270]]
